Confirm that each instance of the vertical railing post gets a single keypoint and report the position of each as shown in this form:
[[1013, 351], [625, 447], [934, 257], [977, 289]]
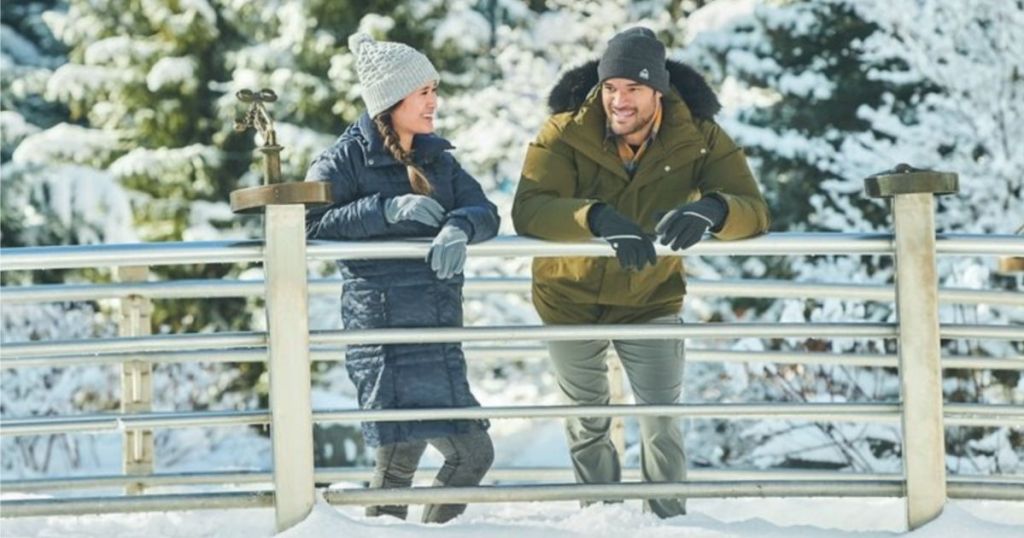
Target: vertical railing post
[[913, 192], [284, 262], [136, 379], [291, 410]]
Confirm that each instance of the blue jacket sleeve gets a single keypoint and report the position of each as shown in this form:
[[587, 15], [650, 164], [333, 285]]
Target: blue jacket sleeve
[[472, 207], [349, 216]]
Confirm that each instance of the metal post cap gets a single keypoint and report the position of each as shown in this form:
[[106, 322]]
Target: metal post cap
[[254, 199], [1010, 265], [905, 179]]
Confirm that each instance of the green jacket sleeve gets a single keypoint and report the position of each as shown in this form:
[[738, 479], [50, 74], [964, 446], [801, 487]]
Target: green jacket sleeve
[[545, 205], [725, 172]]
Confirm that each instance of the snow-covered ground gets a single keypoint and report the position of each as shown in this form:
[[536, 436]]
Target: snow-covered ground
[[708, 518]]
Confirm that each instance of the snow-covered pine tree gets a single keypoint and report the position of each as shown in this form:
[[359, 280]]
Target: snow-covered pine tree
[[137, 87], [966, 66], [825, 92], [46, 202], [789, 78], [43, 204], [123, 154]]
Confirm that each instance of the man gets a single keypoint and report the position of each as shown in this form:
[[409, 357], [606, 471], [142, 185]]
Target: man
[[630, 155]]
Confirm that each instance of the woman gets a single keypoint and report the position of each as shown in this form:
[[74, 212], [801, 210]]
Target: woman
[[391, 177]]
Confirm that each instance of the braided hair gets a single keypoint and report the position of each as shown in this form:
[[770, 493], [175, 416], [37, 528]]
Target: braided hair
[[417, 178]]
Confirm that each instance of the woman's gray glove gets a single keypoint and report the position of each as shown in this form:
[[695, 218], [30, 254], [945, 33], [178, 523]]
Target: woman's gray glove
[[413, 207], [685, 225], [447, 254]]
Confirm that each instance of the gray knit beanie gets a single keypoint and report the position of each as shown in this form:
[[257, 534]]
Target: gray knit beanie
[[388, 71], [635, 54]]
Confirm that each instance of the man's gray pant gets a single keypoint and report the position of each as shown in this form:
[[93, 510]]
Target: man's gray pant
[[655, 372]]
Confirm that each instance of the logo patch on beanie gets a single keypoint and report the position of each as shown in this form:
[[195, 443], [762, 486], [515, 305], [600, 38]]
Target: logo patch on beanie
[[644, 74]]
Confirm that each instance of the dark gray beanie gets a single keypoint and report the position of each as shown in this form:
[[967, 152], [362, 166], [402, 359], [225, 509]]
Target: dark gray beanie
[[635, 54]]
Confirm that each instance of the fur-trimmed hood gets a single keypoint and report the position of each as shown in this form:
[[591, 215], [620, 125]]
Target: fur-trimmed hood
[[574, 86]]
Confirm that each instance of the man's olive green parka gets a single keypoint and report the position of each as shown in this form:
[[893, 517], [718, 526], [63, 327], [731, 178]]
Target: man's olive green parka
[[572, 165]]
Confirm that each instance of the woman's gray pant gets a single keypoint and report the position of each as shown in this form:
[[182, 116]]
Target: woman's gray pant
[[467, 458], [655, 372]]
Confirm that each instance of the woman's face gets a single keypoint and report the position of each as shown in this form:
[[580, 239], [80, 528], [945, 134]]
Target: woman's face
[[415, 114]]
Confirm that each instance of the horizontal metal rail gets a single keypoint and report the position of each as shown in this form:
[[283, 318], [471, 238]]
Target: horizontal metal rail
[[516, 353], [331, 475], [165, 347], [872, 412], [597, 332], [475, 353], [104, 358], [650, 332], [1006, 491], [362, 474], [957, 414], [983, 415], [136, 344], [136, 503], [1015, 362], [692, 490], [994, 332], [118, 421], [222, 288], [994, 245], [146, 344], [111, 255], [503, 493], [780, 244]]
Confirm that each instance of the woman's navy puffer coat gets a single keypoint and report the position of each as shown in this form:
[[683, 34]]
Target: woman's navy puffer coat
[[399, 293]]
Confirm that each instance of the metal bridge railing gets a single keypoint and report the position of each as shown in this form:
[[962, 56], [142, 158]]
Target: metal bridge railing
[[141, 350], [227, 341], [955, 415], [201, 252], [220, 288], [325, 475]]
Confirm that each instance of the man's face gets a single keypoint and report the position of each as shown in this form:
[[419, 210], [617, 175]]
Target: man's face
[[629, 105]]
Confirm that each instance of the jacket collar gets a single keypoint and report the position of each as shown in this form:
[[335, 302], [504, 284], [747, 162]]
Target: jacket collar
[[426, 147], [575, 85]]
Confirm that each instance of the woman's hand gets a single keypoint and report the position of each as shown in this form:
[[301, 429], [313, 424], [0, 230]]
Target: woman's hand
[[447, 254], [414, 207]]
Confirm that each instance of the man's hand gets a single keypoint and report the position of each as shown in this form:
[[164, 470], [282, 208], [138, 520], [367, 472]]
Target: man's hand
[[633, 248], [685, 225], [413, 207], [447, 254]]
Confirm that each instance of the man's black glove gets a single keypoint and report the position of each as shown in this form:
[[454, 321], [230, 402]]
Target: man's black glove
[[682, 227], [633, 247]]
